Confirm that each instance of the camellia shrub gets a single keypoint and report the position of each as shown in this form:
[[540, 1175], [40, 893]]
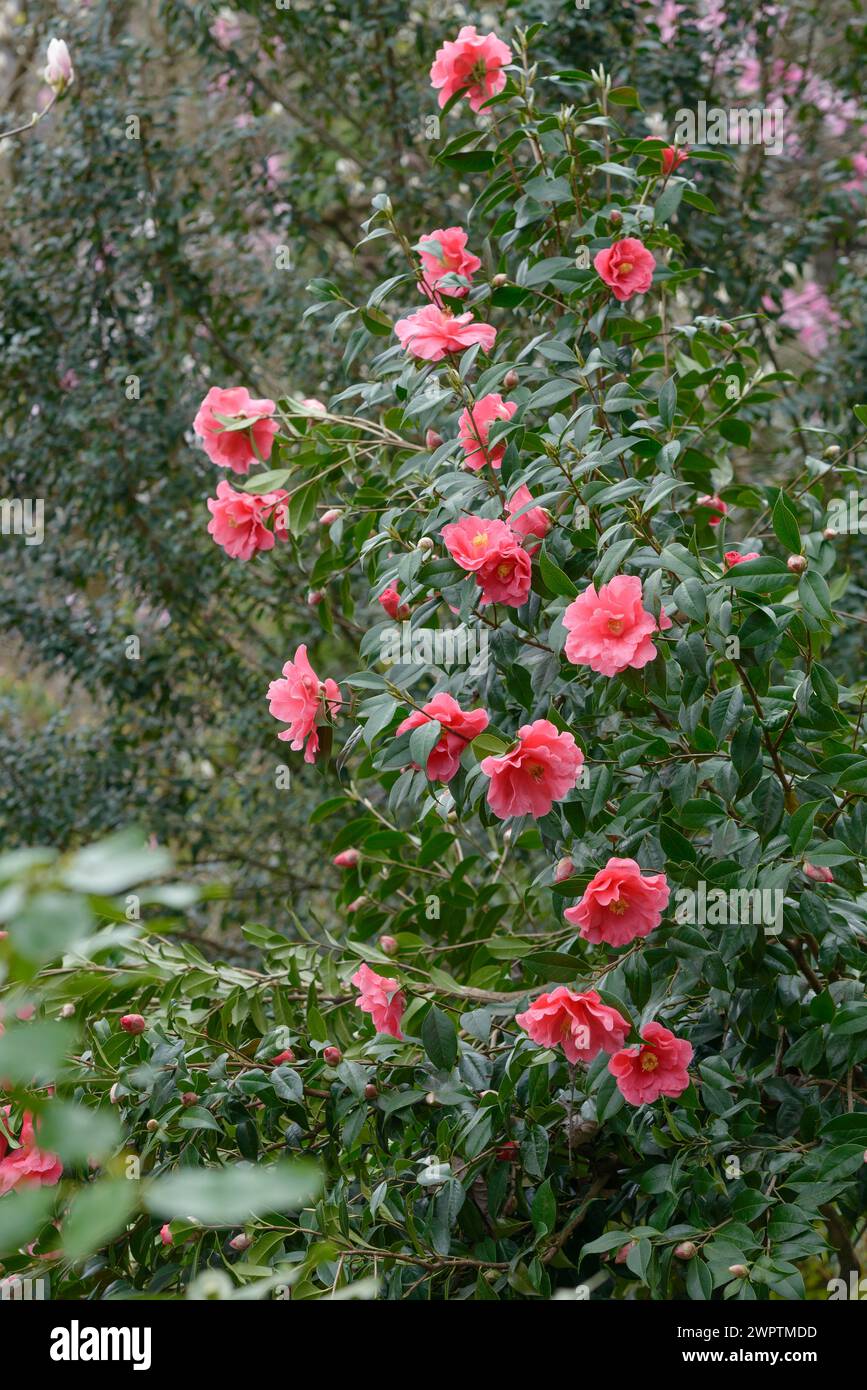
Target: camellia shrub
[[589, 1018]]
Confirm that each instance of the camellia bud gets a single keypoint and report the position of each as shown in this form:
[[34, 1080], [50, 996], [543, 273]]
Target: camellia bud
[[152, 1126], [314, 598], [133, 1023], [388, 945], [356, 904], [166, 1235], [615, 217], [739, 1271], [508, 1152], [287, 1055], [330, 516], [726, 328], [347, 858], [433, 440], [371, 1092], [189, 1098], [425, 544], [511, 379], [829, 533], [68, 1011], [686, 1250], [499, 281], [565, 869], [797, 563], [832, 451], [332, 1055], [114, 1094], [241, 1242], [818, 873]]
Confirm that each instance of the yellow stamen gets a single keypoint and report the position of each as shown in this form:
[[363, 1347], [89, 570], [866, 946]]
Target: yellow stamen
[[615, 626], [625, 267], [649, 1061], [481, 538]]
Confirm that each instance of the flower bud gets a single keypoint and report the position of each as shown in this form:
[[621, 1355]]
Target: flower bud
[[287, 1055], [818, 873], [241, 1242], [829, 533], [797, 563], [332, 1055], [330, 516], [356, 904], [133, 1023], [615, 217], [433, 440], [152, 1126], [499, 281], [189, 1098], [68, 1011], [565, 869], [832, 452], [739, 1271], [623, 1253], [371, 1092], [726, 328], [508, 1152], [388, 945], [686, 1250], [59, 72], [511, 379], [314, 598], [425, 544], [166, 1235], [114, 1094], [347, 858]]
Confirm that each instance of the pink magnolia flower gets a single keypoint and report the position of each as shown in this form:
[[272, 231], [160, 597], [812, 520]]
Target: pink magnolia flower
[[734, 557], [432, 332], [715, 504], [298, 699], [390, 600], [474, 427], [541, 769], [609, 631], [620, 903], [818, 873], [536, 521], [459, 728], [490, 550], [382, 999], [448, 255], [28, 1165], [347, 858], [235, 448], [472, 63], [579, 1023], [59, 72], [656, 1068], [626, 267], [238, 520]]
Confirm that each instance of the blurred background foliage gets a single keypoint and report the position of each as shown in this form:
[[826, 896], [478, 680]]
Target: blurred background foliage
[[157, 234]]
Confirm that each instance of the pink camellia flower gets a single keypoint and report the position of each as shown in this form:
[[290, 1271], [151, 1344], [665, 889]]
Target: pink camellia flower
[[166, 1235], [541, 769], [432, 332], [448, 255], [626, 267], [808, 312], [714, 504], [133, 1023], [382, 998], [59, 72], [609, 631], [475, 426], [536, 521], [579, 1023], [734, 557], [656, 1068], [238, 520], [473, 63], [490, 550], [298, 699], [459, 728], [347, 858], [565, 869], [620, 903], [390, 600], [28, 1165], [818, 873], [232, 445]]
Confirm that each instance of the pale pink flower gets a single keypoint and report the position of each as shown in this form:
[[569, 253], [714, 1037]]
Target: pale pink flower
[[430, 333], [238, 520], [474, 427], [490, 550], [299, 699], [579, 1023], [609, 631], [382, 998], [28, 1165], [447, 255], [472, 63], [234, 447], [626, 267], [527, 779], [459, 728], [656, 1068], [59, 72], [620, 903], [535, 521]]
